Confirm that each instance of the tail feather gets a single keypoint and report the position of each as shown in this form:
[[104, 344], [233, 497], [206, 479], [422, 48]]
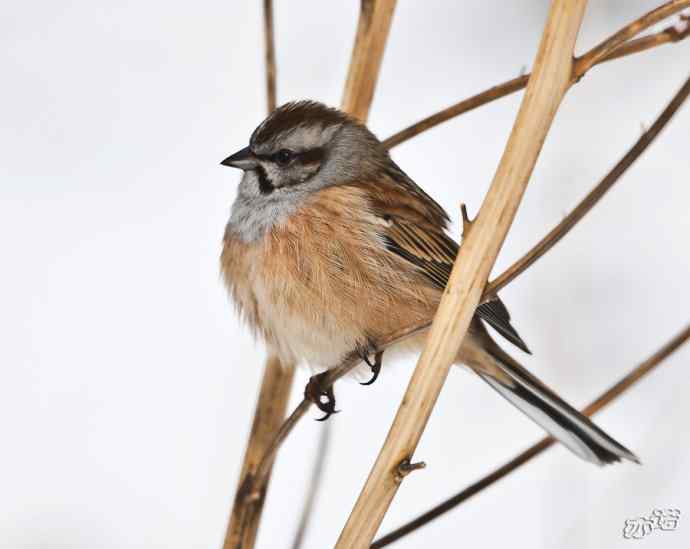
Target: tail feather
[[577, 432]]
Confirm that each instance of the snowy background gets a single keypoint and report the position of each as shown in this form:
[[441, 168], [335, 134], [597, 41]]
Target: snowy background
[[128, 384]]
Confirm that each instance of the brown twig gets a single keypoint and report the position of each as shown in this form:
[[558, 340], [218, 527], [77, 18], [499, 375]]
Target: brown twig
[[270, 53], [668, 35], [466, 105], [674, 33], [599, 52], [550, 81], [546, 243], [314, 485], [605, 398]]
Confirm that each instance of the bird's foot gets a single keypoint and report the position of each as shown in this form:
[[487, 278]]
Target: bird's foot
[[375, 367], [322, 396]]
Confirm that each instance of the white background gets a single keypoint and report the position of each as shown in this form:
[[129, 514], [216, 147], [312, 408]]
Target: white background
[[128, 384]]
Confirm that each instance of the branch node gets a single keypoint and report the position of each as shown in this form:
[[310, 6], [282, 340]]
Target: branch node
[[405, 467], [466, 221]]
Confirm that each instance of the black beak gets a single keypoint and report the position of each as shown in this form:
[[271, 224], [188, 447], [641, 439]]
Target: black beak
[[244, 160]]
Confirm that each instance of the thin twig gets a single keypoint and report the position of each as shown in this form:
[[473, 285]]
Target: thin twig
[[601, 50], [668, 35], [605, 398], [546, 243], [270, 53], [550, 81], [466, 105], [314, 484], [674, 33]]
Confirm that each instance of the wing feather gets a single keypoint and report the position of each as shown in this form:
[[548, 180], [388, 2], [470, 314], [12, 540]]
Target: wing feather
[[433, 253]]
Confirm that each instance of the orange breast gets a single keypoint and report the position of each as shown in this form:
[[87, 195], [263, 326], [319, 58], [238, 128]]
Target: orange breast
[[321, 282]]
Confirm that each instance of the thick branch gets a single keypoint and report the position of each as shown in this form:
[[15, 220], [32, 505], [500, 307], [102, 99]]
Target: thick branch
[[553, 69], [668, 35], [608, 396]]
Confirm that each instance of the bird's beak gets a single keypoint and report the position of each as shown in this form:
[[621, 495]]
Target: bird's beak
[[244, 160]]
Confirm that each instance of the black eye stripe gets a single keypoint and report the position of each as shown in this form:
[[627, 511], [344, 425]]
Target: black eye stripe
[[265, 185], [311, 156], [304, 157]]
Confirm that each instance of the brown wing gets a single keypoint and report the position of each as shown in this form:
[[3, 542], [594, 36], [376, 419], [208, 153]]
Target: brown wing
[[414, 229]]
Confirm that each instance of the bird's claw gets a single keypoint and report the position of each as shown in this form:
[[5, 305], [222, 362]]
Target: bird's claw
[[375, 367], [323, 397]]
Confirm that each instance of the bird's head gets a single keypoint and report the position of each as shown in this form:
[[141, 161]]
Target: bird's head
[[304, 146]]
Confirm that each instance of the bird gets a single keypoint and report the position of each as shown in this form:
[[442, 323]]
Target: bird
[[330, 246]]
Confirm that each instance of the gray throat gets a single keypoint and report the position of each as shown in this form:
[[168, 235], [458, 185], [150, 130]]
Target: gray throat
[[253, 214]]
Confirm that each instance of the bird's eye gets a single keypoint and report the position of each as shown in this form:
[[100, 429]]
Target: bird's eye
[[283, 157]]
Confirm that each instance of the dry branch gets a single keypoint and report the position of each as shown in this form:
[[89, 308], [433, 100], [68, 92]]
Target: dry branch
[[669, 35], [605, 398], [550, 81], [268, 417], [372, 34], [583, 64]]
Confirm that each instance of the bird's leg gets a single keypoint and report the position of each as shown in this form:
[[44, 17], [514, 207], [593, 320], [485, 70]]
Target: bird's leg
[[321, 395], [375, 367]]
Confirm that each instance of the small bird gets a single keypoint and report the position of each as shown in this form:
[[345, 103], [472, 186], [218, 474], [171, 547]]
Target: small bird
[[330, 247]]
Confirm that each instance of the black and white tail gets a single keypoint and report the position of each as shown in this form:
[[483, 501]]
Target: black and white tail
[[557, 417]]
